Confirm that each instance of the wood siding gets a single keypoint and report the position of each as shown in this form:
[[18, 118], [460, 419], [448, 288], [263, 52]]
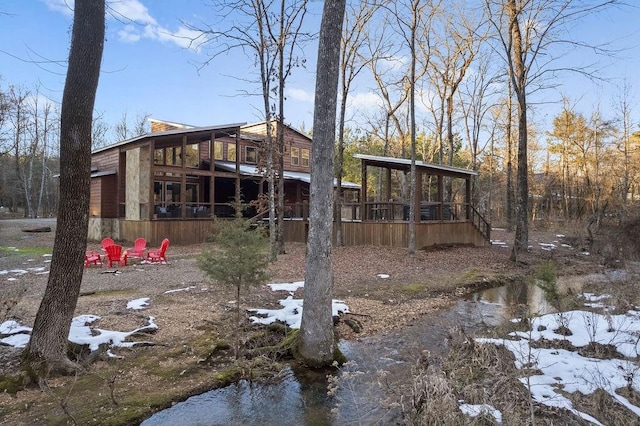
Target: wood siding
[[292, 138], [186, 232], [395, 234]]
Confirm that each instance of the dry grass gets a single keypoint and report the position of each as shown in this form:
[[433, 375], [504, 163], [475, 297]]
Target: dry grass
[[191, 353]]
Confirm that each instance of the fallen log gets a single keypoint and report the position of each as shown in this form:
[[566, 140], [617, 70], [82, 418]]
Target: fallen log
[[39, 229]]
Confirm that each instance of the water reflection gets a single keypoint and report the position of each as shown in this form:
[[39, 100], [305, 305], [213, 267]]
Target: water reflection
[[285, 401], [299, 397]]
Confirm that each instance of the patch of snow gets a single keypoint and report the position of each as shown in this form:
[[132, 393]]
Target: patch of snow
[[291, 312], [474, 410], [138, 303], [383, 276], [179, 289], [82, 334], [562, 371]]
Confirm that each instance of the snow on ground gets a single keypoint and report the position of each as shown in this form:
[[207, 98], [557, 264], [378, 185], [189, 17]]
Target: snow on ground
[[291, 311], [136, 304], [475, 410], [79, 332], [561, 371]]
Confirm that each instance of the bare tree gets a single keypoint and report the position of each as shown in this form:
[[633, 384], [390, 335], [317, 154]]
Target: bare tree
[[452, 54], [527, 32], [414, 27], [269, 31], [46, 351], [352, 63], [124, 130], [623, 108], [316, 342]]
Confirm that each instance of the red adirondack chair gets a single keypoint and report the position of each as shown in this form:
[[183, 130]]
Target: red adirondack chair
[[114, 254], [138, 249], [158, 254], [92, 257], [106, 242]]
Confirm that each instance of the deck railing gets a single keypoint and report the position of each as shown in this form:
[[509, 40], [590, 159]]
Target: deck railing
[[389, 212]]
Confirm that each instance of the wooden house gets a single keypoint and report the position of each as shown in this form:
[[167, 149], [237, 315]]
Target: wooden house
[[172, 181]]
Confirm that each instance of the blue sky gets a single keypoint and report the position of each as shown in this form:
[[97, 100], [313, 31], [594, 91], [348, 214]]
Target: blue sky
[[146, 70]]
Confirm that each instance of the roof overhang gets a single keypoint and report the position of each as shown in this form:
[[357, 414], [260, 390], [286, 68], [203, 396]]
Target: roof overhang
[[253, 171], [405, 164], [234, 127]]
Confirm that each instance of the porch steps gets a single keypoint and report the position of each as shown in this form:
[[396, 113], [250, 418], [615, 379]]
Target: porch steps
[[481, 224]]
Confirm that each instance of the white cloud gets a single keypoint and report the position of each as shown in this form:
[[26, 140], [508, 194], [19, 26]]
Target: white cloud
[[301, 95], [137, 22], [128, 34], [364, 100], [62, 6], [132, 10]]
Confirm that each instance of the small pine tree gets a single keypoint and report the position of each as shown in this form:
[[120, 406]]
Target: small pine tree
[[239, 259]]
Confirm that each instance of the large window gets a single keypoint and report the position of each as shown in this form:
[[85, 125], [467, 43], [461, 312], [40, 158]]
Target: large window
[[171, 156], [305, 157], [192, 155], [250, 155], [217, 150], [231, 152], [295, 156]]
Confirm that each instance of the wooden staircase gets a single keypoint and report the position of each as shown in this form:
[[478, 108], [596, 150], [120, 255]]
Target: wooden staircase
[[481, 224]]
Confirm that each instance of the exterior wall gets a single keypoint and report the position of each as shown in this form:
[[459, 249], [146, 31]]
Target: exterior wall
[[144, 175], [95, 198], [100, 228], [106, 160], [292, 139], [132, 195]]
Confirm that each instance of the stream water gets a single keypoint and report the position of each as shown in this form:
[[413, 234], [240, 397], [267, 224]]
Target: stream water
[[301, 398]]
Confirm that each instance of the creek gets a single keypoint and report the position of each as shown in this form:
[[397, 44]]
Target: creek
[[376, 363]]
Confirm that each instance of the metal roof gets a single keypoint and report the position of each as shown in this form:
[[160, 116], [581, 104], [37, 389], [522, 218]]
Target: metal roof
[[403, 163], [172, 133], [249, 170]]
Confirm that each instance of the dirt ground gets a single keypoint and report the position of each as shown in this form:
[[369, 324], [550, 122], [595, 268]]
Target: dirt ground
[[193, 322]]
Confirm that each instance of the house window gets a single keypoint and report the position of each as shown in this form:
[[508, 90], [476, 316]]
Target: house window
[[305, 157], [231, 152], [192, 155], [295, 156], [158, 156], [174, 156], [217, 151], [251, 155]]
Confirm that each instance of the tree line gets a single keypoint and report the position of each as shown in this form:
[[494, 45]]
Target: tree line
[[29, 148]]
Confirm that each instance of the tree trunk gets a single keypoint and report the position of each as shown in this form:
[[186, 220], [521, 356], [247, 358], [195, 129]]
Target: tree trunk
[[521, 242], [316, 342], [46, 351]]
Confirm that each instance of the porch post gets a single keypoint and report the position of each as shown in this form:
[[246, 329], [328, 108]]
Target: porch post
[[467, 185], [416, 201], [238, 151], [152, 156], [363, 190], [388, 184], [440, 197], [212, 172], [183, 179]]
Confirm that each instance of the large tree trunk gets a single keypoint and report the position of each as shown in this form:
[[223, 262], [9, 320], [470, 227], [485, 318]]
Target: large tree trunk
[[316, 342], [46, 351], [521, 242]]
